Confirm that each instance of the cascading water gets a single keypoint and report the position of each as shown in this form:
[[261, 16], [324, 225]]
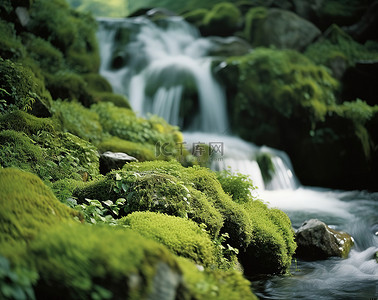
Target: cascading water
[[158, 66], [165, 68]]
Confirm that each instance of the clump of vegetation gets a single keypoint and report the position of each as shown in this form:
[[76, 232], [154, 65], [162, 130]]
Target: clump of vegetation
[[182, 236], [238, 186], [27, 206], [336, 44], [142, 152], [196, 194], [223, 19], [264, 160], [78, 120]]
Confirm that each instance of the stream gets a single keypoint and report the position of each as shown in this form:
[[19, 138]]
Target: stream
[[161, 67]]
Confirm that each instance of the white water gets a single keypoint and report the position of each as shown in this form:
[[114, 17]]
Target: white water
[[161, 62]]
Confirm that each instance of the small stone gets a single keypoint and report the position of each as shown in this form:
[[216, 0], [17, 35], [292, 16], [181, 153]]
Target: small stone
[[114, 161]]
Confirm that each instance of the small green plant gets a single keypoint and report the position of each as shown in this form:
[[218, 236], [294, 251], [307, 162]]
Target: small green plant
[[16, 285]]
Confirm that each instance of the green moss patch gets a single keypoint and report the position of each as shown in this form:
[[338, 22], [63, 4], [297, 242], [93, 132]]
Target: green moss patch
[[27, 206], [183, 237]]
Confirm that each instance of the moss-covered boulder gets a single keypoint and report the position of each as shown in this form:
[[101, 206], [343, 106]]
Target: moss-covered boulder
[[279, 28], [33, 144], [27, 206], [20, 89], [196, 194], [223, 20], [182, 236]]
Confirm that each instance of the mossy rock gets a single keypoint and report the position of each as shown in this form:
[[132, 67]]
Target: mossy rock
[[123, 123], [153, 191], [142, 152], [336, 47], [63, 189], [250, 224], [48, 58], [83, 261], [52, 156], [10, 45], [78, 120], [196, 16], [27, 206], [282, 86], [117, 100], [278, 28], [97, 83], [182, 236], [215, 284], [223, 20], [20, 89], [70, 86], [19, 120]]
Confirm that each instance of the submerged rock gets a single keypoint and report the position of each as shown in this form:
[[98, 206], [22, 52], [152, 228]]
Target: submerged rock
[[316, 240]]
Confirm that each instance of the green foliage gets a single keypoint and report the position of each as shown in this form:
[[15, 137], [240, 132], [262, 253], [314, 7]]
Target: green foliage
[[63, 189], [238, 186], [183, 237], [196, 16], [142, 152], [215, 284], [338, 44], [78, 120], [223, 19], [10, 45], [153, 190], [16, 284], [124, 124], [97, 83], [253, 20], [19, 88], [50, 155], [96, 262], [27, 206]]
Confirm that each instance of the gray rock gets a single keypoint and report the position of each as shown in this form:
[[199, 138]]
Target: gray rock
[[231, 46], [284, 30], [316, 240], [114, 161]]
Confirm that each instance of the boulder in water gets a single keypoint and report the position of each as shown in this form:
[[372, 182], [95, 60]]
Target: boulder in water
[[114, 161], [316, 240]]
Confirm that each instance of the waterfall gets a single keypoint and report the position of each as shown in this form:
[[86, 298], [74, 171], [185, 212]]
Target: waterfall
[[164, 68]]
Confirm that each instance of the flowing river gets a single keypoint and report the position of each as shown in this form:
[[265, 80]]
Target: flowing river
[[164, 68]]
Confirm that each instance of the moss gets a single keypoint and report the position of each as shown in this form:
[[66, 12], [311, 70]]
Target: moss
[[52, 156], [78, 120], [97, 83], [123, 123], [253, 20], [117, 100], [27, 206], [20, 89], [223, 19], [10, 45], [154, 191], [238, 186], [69, 85], [283, 86], [49, 58], [142, 152], [183, 237], [21, 121], [272, 245], [265, 163], [196, 16], [79, 261], [337, 44], [63, 189], [215, 284]]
